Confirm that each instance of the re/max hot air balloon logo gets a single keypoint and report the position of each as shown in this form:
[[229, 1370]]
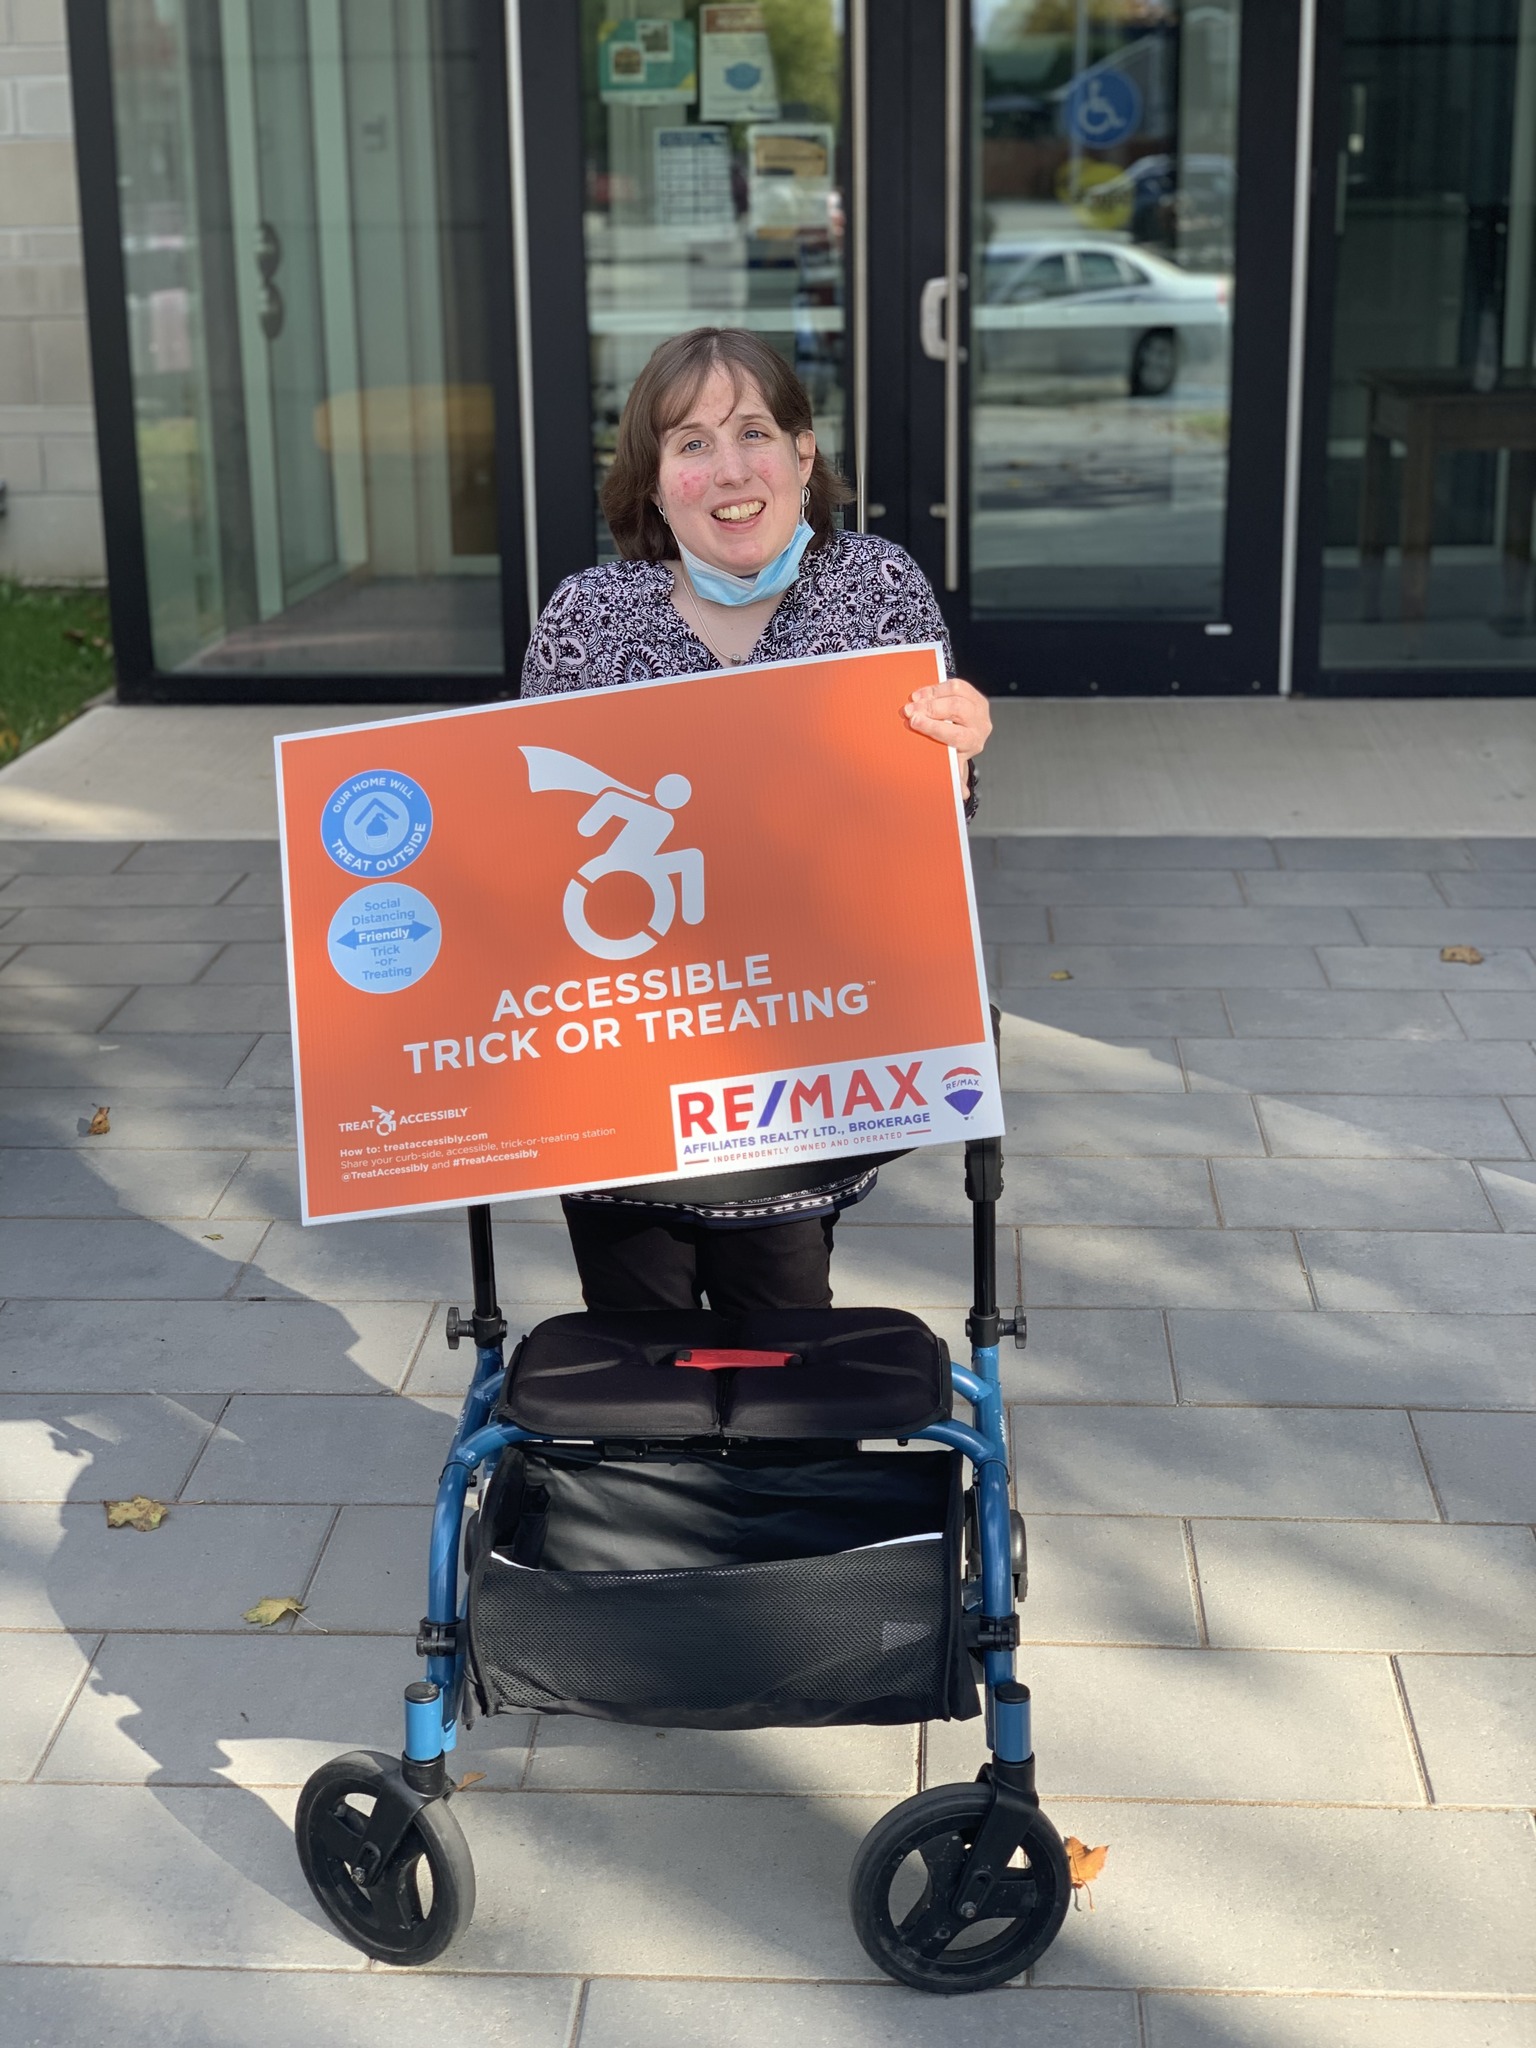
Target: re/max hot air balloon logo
[[963, 1088], [376, 824]]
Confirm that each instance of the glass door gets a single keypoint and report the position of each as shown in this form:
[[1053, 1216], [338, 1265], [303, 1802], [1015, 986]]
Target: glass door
[[277, 214], [686, 166], [309, 217], [1102, 248], [1099, 295], [1422, 536], [711, 137], [1031, 258]]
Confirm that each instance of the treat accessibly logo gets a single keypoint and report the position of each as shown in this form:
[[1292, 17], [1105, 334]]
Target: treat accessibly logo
[[637, 848]]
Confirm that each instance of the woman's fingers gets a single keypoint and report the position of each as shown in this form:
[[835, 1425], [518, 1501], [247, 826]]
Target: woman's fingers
[[953, 713]]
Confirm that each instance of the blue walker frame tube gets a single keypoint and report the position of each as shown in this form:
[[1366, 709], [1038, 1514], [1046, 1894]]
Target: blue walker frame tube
[[475, 1439], [1008, 1719]]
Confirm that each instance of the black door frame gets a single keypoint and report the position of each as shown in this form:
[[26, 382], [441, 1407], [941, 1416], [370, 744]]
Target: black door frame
[[1086, 656], [140, 681]]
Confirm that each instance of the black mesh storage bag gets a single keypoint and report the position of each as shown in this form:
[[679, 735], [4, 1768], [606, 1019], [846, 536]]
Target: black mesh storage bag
[[752, 1589]]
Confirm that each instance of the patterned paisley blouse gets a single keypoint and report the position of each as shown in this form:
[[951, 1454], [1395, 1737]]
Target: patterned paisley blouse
[[617, 624]]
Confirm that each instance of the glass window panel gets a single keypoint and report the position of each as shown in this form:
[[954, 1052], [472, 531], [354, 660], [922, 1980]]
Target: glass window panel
[[1097, 270], [1100, 381], [1431, 466], [713, 137], [305, 253], [1047, 279]]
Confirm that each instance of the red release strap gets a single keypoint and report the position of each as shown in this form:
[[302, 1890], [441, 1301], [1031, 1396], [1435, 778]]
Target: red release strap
[[718, 1361]]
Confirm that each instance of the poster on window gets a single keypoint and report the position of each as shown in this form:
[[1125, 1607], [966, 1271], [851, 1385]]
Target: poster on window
[[789, 176], [737, 81], [665, 930], [644, 63], [693, 179]]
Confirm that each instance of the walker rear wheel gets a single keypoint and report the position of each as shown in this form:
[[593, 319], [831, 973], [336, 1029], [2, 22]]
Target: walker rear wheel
[[905, 1874], [406, 1909]]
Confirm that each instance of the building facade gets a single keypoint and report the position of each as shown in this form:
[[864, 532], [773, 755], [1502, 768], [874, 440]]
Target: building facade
[[1188, 344], [50, 518]]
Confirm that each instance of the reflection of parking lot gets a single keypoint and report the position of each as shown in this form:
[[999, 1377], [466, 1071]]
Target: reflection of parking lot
[[1063, 447], [1112, 451], [1099, 503]]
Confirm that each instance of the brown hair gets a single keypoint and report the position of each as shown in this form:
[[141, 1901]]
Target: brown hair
[[663, 393]]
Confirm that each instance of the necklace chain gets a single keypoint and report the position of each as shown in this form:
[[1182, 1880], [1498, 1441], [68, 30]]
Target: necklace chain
[[725, 660]]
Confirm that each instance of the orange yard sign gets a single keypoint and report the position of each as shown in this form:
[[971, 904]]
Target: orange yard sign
[[671, 929]]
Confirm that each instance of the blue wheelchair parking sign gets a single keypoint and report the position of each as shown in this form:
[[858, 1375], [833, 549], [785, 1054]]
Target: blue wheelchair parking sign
[[1103, 108]]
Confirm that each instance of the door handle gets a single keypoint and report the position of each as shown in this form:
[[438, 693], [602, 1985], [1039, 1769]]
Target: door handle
[[271, 313], [930, 318], [931, 323]]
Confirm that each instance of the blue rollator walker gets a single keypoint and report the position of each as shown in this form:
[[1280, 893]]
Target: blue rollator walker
[[678, 1524]]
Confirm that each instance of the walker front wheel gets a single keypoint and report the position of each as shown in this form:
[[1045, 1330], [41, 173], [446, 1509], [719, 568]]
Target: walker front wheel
[[405, 1908], [904, 1877]]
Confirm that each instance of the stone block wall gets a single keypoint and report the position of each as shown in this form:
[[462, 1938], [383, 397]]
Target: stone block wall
[[51, 531]]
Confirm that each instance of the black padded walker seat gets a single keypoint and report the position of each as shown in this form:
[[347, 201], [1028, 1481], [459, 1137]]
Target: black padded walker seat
[[678, 1373]]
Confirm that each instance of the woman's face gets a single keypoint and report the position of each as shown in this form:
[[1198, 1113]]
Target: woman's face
[[730, 477]]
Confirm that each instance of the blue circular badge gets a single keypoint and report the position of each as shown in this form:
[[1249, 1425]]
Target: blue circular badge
[[384, 937], [376, 824]]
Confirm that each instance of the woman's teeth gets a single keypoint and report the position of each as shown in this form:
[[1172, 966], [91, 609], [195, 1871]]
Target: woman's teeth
[[732, 512]]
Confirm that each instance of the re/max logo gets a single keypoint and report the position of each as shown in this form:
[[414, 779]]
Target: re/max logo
[[791, 1099]]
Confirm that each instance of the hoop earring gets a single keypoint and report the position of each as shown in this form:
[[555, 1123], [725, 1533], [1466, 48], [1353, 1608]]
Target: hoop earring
[[805, 501], [666, 522]]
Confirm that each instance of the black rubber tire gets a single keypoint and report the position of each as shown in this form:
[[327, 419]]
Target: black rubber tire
[[1155, 365], [385, 1919], [941, 1825]]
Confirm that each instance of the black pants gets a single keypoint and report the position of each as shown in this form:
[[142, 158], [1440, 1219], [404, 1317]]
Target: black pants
[[628, 1260]]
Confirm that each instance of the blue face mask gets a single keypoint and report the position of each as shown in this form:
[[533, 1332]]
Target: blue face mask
[[719, 586]]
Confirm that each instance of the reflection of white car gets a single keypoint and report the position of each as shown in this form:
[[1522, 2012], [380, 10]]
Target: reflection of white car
[[1095, 308]]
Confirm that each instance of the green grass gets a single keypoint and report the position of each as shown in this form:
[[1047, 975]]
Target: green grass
[[55, 656]]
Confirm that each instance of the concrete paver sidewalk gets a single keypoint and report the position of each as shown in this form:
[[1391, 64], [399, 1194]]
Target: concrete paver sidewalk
[[1271, 1202]]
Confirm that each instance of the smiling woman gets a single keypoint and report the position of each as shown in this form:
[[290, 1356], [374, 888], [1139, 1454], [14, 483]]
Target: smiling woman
[[724, 514]]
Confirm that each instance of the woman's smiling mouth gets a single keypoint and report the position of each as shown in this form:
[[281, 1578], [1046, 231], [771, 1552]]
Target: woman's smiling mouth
[[735, 514]]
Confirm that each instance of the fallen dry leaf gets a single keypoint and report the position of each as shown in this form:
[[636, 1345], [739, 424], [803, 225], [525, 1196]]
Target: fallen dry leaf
[[100, 1123], [1083, 1866], [469, 1778], [1462, 956], [139, 1513], [1060, 974], [214, 1236], [272, 1609]]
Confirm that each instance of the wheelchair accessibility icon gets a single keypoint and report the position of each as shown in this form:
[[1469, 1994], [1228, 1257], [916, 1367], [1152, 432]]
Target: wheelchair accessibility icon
[[1103, 108], [675, 877]]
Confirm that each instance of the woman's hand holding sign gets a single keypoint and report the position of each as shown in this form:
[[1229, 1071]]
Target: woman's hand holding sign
[[954, 713]]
